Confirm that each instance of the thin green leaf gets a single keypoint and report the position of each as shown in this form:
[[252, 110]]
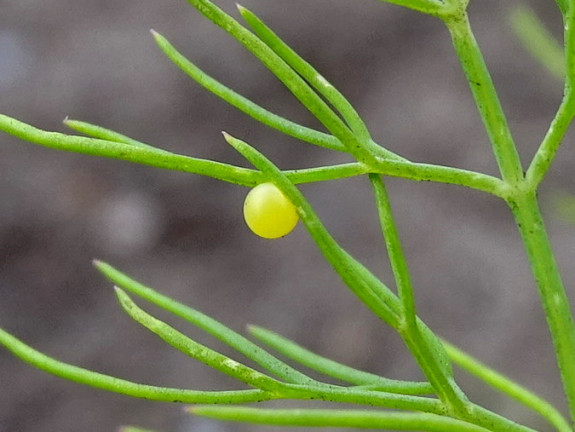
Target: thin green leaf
[[358, 396], [309, 175], [309, 73], [334, 369], [196, 350], [312, 389], [245, 105], [482, 418], [477, 415], [509, 387], [166, 160], [117, 385], [338, 418], [297, 85], [318, 82], [423, 343], [551, 143], [537, 39], [563, 119], [208, 324], [115, 150], [105, 134], [394, 250], [242, 176]]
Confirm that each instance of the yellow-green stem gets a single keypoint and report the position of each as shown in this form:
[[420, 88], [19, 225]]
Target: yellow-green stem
[[485, 97], [551, 290]]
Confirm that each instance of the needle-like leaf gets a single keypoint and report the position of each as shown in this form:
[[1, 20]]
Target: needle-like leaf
[[206, 323], [196, 350], [118, 385]]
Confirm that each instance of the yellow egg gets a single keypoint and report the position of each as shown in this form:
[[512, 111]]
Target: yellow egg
[[268, 212]]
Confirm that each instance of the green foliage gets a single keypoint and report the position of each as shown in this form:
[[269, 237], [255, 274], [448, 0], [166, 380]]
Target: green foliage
[[133, 429], [438, 404], [538, 40]]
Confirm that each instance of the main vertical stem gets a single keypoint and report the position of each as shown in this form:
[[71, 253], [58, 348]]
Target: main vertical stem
[[485, 96], [524, 204], [551, 290]]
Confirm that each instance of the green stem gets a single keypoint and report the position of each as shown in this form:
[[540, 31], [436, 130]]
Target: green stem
[[345, 395], [334, 369], [367, 287], [429, 355], [100, 132], [245, 105], [206, 323], [151, 156], [196, 350], [477, 415], [115, 150], [546, 153], [486, 97], [394, 251], [441, 174], [551, 290], [554, 137], [254, 110], [372, 292], [125, 149], [358, 396], [333, 172], [291, 79], [562, 6], [339, 418], [507, 386], [128, 388], [309, 73]]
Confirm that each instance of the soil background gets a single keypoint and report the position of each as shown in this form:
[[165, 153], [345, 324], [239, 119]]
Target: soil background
[[184, 234]]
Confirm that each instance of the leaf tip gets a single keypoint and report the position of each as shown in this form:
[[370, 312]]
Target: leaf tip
[[229, 139], [124, 299], [99, 264], [157, 36], [191, 409]]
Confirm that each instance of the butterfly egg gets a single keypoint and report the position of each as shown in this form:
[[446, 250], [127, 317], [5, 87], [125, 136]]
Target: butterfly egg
[[268, 212]]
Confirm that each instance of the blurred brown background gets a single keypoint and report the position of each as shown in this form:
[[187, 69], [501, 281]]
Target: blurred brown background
[[184, 234]]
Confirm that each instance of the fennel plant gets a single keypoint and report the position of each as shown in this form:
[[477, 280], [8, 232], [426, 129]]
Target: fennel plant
[[436, 404]]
